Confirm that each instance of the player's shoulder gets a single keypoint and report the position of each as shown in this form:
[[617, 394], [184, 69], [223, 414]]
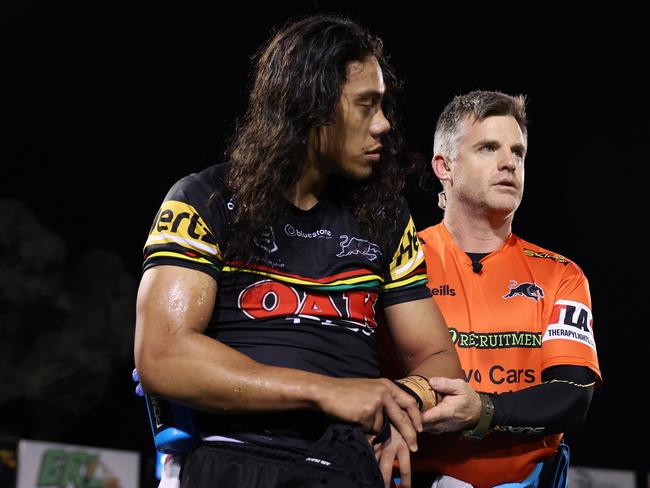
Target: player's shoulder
[[210, 180]]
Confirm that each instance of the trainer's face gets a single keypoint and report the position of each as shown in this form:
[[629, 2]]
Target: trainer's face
[[352, 144], [488, 171]]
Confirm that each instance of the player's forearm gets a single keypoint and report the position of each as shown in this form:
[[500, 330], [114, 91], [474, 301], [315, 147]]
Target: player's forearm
[[198, 371], [422, 339], [444, 363], [177, 361]]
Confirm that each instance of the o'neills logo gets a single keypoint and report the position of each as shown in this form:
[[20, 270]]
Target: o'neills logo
[[443, 290], [291, 231]]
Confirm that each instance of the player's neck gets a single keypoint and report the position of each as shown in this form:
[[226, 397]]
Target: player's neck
[[307, 190], [477, 233]]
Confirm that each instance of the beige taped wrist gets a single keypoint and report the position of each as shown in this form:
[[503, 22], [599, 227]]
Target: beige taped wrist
[[420, 386]]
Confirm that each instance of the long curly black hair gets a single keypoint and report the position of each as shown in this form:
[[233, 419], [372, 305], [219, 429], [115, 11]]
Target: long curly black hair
[[298, 79]]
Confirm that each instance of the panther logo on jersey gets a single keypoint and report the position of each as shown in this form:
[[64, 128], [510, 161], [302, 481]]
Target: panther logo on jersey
[[525, 289], [353, 245], [266, 240]]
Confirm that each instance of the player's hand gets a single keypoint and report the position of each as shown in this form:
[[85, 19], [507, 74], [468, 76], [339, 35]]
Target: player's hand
[[460, 407], [394, 449], [364, 401]]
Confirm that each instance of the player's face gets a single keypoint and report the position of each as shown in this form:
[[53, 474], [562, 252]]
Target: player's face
[[352, 144], [487, 173]]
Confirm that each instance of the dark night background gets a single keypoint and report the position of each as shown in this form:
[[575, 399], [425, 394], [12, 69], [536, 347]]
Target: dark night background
[[106, 105]]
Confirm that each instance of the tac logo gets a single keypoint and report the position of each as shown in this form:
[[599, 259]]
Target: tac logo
[[353, 245], [180, 223], [352, 309], [409, 253], [571, 321], [525, 289]]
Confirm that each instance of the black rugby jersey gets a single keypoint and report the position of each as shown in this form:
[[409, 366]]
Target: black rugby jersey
[[312, 302]]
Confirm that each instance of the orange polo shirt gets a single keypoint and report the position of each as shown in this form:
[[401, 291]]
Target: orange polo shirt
[[527, 310]]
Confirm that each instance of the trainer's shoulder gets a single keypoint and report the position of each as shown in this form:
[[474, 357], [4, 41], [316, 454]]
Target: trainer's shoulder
[[542, 257], [432, 234]]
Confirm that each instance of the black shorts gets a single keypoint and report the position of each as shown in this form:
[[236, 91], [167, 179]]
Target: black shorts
[[341, 458], [228, 464]]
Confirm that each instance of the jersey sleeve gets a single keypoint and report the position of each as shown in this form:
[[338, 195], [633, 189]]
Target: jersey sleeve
[[405, 275], [189, 227], [569, 335]]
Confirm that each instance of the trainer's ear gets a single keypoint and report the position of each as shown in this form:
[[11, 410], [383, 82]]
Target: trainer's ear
[[440, 165]]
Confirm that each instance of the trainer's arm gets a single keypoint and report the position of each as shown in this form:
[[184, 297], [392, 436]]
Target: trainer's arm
[[177, 361], [558, 404], [420, 333]]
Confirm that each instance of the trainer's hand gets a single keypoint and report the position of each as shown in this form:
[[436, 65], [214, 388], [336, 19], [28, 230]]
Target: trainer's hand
[[460, 407], [364, 401], [387, 452]]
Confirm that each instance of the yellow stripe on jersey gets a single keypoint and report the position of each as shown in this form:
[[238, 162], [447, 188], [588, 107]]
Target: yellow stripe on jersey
[[192, 244], [408, 255], [180, 223], [171, 254], [288, 279], [417, 277]]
